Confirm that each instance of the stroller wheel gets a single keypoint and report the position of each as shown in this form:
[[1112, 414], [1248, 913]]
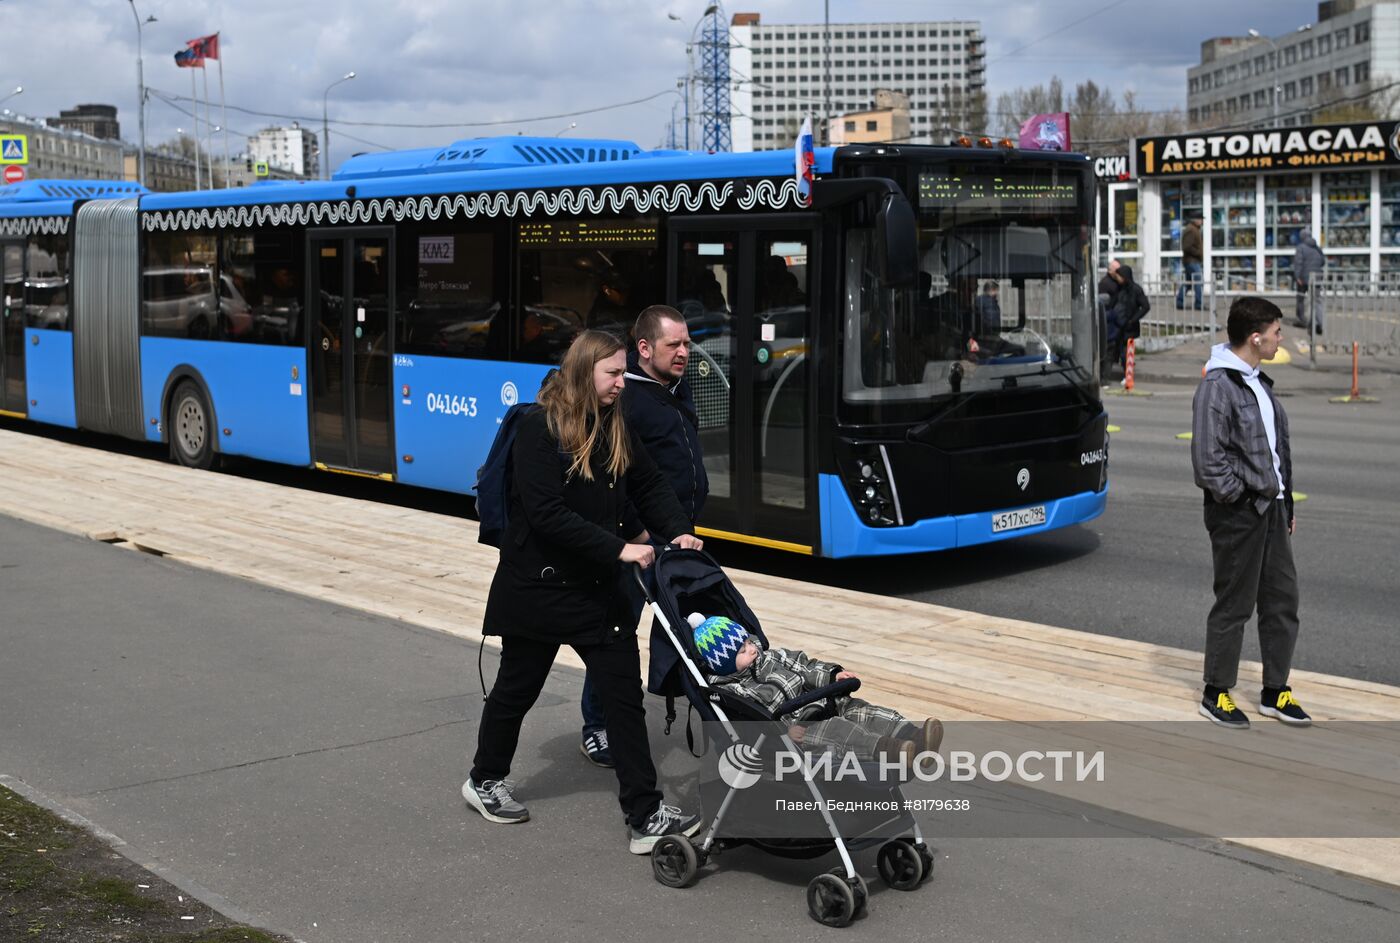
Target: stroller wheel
[[858, 888], [900, 864], [674, 862], [830, 900], [927, 855]]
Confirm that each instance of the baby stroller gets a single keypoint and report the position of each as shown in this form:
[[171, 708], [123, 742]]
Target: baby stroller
[[690, 581]]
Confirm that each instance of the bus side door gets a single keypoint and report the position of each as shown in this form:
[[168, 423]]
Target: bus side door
[[745, 286]]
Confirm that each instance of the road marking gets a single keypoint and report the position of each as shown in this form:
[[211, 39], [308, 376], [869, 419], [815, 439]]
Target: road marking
[[1184, 435]]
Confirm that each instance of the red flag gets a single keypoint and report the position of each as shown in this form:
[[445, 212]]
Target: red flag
[[1046, 132], [205, 47]]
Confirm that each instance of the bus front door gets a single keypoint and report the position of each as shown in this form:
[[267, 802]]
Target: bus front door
[[12, 331], [745, 290], [351, 342]]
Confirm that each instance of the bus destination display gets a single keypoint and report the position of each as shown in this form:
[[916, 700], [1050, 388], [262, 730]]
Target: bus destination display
[[995, 192], [588, 234]]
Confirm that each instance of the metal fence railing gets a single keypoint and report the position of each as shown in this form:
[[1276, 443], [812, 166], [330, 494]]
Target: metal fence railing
[[1360, 309], [1352, 309]]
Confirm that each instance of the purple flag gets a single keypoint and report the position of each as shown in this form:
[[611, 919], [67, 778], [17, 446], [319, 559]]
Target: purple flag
[[1046, 132]]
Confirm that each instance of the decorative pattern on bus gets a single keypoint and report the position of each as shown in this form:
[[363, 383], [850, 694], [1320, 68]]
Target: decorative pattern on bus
[[34, 226], [771, 194]]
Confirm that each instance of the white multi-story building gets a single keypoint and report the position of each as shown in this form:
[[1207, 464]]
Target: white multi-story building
[[1354, 46], [61, 154], [293, 149], [779, 73]]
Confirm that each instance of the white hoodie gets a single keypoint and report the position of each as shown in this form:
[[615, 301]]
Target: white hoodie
[[1221, 356]]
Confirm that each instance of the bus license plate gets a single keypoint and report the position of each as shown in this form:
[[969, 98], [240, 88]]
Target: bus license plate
[[1015, 520]]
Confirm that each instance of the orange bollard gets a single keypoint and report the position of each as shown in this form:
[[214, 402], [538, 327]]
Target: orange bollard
[[1129, 363], [1355, 354]]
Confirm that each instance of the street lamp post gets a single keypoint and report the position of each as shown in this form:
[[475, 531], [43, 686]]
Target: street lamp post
[[564, 131], [1278, 89], [140, 95], [19, 90], [326, 126]]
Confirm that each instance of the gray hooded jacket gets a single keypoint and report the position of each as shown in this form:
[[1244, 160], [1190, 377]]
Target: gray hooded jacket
[[1308, 260], [1230, 451]]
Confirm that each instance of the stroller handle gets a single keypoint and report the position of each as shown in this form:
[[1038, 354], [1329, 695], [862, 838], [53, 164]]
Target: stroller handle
[[833, 690], [642, 582]]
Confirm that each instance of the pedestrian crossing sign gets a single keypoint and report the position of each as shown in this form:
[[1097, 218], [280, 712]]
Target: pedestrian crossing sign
[[260, 168], [14, 149]]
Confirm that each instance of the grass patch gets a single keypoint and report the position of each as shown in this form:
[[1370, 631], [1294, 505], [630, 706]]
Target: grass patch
[[59, 884]]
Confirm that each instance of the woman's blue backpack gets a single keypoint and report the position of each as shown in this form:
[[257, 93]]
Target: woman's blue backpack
[[493, 478]]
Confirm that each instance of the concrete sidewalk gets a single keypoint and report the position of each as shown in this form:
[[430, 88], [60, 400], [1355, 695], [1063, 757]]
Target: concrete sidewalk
[[1292, 372]]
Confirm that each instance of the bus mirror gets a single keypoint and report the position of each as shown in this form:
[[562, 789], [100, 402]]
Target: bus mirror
[[896, 241]]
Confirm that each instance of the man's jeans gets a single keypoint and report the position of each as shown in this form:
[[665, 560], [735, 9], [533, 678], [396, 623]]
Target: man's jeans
[[1191, 274]]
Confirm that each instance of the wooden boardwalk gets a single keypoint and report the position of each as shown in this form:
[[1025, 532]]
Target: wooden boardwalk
[[429, 570]]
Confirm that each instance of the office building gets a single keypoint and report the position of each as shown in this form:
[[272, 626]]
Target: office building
[[780, 75], [293, 149], [1352, 48]]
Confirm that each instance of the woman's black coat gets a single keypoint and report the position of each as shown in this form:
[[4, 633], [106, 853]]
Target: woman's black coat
[[558, 576]]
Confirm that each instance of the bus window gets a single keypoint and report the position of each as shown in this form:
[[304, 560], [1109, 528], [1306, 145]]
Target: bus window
[[46, 283], [177, 286], [577, 274], [447, 300], [260, 286]]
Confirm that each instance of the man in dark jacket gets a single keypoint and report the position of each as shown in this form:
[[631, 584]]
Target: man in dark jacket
[[661, 411], [1242, 461], [1192, 261], [1125, 318], [1308, 263]]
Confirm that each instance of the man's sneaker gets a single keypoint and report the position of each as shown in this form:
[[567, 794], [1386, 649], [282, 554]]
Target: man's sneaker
[[1282, 705], [595, 747], [492, 798], [1223, 711], [666, 820]]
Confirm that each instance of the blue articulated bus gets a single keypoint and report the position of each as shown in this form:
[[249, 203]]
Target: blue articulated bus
[[907, 362]]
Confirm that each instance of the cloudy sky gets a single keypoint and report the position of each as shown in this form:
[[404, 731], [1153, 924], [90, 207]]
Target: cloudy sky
[[462, 63]]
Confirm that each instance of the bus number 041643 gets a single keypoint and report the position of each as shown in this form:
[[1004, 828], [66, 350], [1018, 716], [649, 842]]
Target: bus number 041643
[[451, 405]]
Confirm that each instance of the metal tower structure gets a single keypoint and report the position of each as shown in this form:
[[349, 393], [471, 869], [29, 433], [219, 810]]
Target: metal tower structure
[[714, 79]]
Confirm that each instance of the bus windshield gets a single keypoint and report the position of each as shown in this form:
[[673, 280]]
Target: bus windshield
[[1003, 297]]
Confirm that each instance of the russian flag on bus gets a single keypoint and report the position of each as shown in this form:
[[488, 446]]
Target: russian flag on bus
[[805, 160]]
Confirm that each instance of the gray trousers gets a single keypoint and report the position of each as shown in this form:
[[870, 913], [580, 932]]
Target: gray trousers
[[1303, 316], [857, 728], [1253, 567]]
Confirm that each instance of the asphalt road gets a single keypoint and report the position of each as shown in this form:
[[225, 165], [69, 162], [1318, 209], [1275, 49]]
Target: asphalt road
[[299, 763], [1141, 570]]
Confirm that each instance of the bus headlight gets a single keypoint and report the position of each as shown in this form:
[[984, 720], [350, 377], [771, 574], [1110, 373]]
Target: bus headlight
[[869, 490]]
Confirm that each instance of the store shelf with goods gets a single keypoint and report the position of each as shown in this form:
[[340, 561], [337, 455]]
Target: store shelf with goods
[[1390, 210], [1278, 272], [1236, 272], [1390, 265], [1346, 210], [1349, 265], [1287, 209], [1234, 212], [1180, 201]]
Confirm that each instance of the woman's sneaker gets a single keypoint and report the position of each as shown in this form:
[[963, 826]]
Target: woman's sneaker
[[595, 747], [666, 820], [1282, 705], [492, 798], [1223, 711]]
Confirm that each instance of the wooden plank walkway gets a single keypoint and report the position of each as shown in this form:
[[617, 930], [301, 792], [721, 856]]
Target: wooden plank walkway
[[429, 570]]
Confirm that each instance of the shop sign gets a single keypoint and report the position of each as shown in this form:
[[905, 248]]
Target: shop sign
[[1319, 147], [1111, 168]]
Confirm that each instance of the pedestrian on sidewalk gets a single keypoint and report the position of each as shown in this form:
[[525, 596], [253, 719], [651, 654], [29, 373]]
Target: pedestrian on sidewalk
[[1192, 262], [1242, 461], [1125, 318], [1308, 263], [660, 410], [575, 468], [1109, 285]]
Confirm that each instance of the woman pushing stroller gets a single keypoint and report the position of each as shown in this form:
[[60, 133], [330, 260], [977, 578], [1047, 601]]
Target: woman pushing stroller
[[576, 467]]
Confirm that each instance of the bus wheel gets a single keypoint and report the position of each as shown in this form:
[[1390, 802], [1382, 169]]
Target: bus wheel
[[191, 428]]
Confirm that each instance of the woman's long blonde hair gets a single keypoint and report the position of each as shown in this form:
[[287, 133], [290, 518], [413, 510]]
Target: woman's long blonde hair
[[570, 403]]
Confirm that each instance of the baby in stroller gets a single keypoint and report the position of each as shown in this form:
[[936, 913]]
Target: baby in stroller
[[738, 662]]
